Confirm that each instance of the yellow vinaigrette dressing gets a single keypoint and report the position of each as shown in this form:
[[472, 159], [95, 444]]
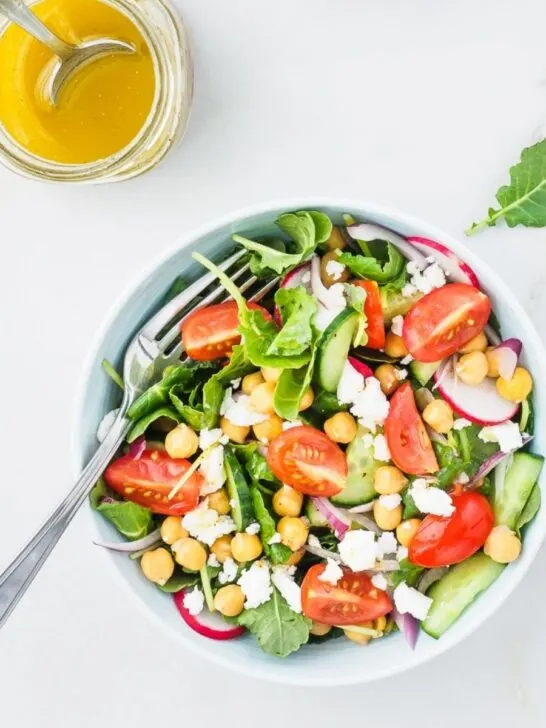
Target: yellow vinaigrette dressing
[[102, 107]]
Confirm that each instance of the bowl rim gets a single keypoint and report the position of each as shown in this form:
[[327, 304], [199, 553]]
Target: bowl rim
[[497, 285]]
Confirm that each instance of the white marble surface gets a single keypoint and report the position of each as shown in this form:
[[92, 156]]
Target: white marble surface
[[421, 105]]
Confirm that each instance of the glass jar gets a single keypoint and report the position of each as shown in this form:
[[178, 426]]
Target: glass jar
[[170, 48]]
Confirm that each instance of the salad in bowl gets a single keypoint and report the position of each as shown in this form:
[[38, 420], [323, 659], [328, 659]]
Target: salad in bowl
[[346, 458]]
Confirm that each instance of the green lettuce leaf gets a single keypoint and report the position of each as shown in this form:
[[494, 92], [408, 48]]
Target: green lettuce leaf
[[407, 572], [158, 394], [523, 201], [373, 269], [292, 385], [278, 630], [356, 299], [277, 553], [297, 309], [131, 520], [255, 463], [140, 427]]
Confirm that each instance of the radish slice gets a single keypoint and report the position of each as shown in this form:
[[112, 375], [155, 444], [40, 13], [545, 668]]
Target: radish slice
[[360, 367], [336, 518], [456, 268], [207, 623], [368, 232], [293, 279], [408, 625], [481, 404], [506, 355]]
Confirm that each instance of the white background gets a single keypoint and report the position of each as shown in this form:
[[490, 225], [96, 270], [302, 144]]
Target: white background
[[416, 104]]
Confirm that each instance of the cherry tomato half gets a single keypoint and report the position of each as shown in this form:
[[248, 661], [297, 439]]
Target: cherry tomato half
[[446, 540], [352, 600], [211, 332], [307, 460], [374, 313], [443, 321], [148, 480], [408, 441]]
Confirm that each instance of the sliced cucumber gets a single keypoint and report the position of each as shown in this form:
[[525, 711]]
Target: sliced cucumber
[[457, 590], [395, 304], [333, 348], [361, 465], [518, 484], [242, 510], [207, 588], [424, 372], [316, 519]]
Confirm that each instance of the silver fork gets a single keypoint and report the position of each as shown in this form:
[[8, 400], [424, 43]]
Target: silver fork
[[154, 347]]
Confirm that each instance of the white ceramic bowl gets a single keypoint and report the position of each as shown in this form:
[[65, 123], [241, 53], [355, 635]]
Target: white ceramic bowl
[[338, 662]]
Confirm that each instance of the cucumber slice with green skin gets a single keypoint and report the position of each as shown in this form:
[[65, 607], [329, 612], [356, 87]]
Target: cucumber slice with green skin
[[519, 481], [457, 590], [207, 588], [242, 510], [360, 480], [316, 519], [333, 349], [424, 372]]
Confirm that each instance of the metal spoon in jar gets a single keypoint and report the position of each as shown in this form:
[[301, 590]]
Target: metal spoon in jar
[[69, 58]]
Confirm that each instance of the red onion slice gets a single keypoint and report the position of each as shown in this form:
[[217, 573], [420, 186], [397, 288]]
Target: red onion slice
[[322, 553], [137, 448], [487, 466], [430, 577], [507, 354], [408, 625], [360, 367], [368, 232], [207, 623], [130, 546], [337, 518]]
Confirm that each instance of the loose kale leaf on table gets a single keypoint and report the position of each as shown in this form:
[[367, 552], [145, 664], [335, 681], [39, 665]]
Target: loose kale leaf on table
[[523, 201]]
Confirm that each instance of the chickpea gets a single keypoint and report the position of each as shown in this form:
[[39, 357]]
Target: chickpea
[[157, 565], [296, 557], [251, 381], [219, 502], [389, 480], [268, 430], [386, 374], [517, 388], [492, 356], [407, 530], [221, 548], [229, 600], [380, 623], [394, 346], [287, 502], [336, 241], [341, 427], [358, 637], [294, 532], [271, 374], [236, 433], [182, 442], [319, 629], [261, 398], [478, 343], [172, 529], [190, 554], [439, 415], [502, 545], [472, 368], [340, 272], [306, 400], [387, 519], [246, 547]]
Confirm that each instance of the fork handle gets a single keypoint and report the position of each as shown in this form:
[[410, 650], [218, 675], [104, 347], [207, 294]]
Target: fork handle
[[20, 573]]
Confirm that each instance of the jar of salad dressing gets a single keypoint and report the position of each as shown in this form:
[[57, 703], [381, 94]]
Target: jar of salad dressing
[[117, 116]]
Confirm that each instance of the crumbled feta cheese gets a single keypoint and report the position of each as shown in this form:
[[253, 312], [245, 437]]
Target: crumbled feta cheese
[[429, 499], [400, 374], [350, 384], [229, 571], [409, 290], [194, 601], [255, 583], [306, 277], [435, 276], [335, 269], [227, 399], [324, 316], [213, 561], [425, 280], [236, 383], [105, 425], [463, 478], [461, 423], [204, 524], [507, 435], [275, 538], [410, 601], [371, 406], [386, 544], [391, 501], [283, 579], [406, 360], [381, 449], [288, 425], [379, 581], [253, 529], [358, 550], [430, 259], [239, 411], [334, 297], [397, 325], [413, 268], [402, 553], [313, 541], [209, 437], [332, 573], [213, 471]]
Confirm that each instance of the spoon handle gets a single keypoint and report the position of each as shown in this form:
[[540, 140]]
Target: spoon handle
[[21, 15]]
